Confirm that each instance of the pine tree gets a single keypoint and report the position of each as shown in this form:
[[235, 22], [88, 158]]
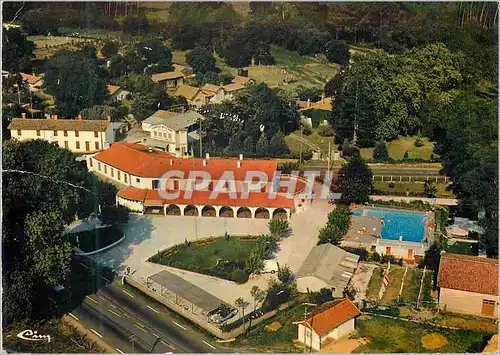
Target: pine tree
[[262, 147], [278, 146], [248, 145]]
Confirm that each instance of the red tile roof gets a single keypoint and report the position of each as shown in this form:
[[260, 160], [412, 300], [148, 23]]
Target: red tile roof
[[326, 321], [135, 159], [468, 273], [255, 199]]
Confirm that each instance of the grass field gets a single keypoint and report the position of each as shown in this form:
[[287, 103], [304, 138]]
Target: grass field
[[462, 248], [415, 188], [45, 47], [410, 287], [294, 144], [398, 147], [388, 335]]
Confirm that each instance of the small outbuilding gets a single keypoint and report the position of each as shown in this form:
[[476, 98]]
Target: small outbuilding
[[327, 266], [329, 325]]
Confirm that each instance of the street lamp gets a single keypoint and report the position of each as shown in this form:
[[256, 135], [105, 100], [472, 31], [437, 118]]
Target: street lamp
[[305, 315]]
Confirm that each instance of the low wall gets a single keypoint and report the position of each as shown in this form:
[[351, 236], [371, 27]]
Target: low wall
[[215, 331], [432, 201], [102, 249]]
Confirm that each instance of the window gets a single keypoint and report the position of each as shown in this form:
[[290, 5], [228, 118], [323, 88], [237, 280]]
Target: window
[[55, 133], [97, 145], [18, 132], [176, 184], [118, 174], [66, 145], [96, 134], [99, 166], [77, 134], [90, 162], [155, 184], [388, 251], [105, 169], [87, 146], [77, 145], [65, 133], [170, 136], [112, 172], [38, 132], [137, 180], [308, 333], [125, 178], [155, 133]]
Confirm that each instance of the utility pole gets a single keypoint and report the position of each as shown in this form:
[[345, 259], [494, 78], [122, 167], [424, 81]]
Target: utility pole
[[329, 153], [132, 340], [300, 156], [355, 115], [201, 140], [305, 328]]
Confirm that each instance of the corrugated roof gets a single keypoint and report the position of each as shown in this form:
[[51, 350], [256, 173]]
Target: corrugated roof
[[136, 160], [175, 121], [468, 273], [326, 321], [59, 124], [255, 199], [330, 264]]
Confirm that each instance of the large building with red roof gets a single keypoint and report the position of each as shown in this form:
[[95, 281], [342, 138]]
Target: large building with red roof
[[194, 186]]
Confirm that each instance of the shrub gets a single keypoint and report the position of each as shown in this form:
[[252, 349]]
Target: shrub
[[406, 155], [325, 131], [391, 185], [307, 130], [321, 296], [418, 142], [285, 274], [239, 276], [278, 226], [288, 167], [388, 258], [380, 152], [400, 262], [362, 252], [376, 257]]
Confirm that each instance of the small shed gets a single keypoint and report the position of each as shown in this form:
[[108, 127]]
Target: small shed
[[331, 324]]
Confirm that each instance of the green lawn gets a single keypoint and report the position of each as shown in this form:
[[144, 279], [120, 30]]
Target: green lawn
[[179, 57], [374, 284], [411, 286], [391, 293], [415, 188], [212, 256], [398, 147], [462, 248], [388, 335], [283, 56], [262, 340], [94, 239], [317, 140]]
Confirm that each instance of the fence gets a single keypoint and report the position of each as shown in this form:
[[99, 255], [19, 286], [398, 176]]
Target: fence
[[410, 178]]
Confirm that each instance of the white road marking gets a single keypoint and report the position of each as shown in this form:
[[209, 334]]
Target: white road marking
[[93, 300], [170, 346], [126, 315], [213, 347], [121, 352], [112, 305], [116, 314], [180, 326], [156, 335], [96, 333], [128, 293], [140, 326], [73, 316], [151, 308]]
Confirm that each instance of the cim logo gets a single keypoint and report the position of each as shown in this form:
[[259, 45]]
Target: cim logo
[[31, 335]]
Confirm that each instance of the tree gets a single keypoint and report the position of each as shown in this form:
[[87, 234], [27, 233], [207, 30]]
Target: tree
[[321, 296], [430, 189], [202, 61], [309, 93], [262, 147], [17, 50], [355, 181], [73, 81], [113, 215], [285, 274], [332, 234], [157, 56], [41, 21], [254, 264], [240, 303], [278, 146], [380, 153], [135, 24], [337, 52], [277, 227], [258, 297], [340, 217], [248, 145], [110, 49]]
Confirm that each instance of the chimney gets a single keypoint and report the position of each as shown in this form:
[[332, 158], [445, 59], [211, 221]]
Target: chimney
[[221, 83], [23, 115], [238, 163], [171, 162], [204, 162], [108, 118], [55, 117], [150, 149], [80, 117], [241, 157], [308, 103], [207, 156], [322, 98]]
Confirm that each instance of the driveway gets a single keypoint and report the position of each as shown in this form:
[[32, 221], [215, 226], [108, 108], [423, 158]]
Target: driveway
[[360, 280]]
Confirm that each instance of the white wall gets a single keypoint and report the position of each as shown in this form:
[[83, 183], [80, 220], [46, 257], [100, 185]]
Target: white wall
[[71, 139], [131, 205], [342, 330], [400, 250], [310, 282], [311, 338], [463, 301]]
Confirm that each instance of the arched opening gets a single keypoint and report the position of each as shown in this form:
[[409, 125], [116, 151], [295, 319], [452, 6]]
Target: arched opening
[[173, 210], [280, 213], [244, 212], [208, 211], [262, 213], [190, 210], [226, 212]]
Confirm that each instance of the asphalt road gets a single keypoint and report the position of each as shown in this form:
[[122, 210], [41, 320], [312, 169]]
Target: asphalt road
[[130, 322], [396, 171]]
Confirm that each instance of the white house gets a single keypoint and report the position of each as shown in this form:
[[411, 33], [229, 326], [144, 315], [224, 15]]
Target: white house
[[116, 94], [327, 266], [77, 135], [334, 323], [173, 129]]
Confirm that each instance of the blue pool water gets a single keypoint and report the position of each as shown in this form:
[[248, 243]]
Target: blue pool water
[[410, 225]]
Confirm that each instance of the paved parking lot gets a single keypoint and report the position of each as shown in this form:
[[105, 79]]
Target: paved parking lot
[[146, 235]]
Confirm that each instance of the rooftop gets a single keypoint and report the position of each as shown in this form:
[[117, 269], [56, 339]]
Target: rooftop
[[175, 121], [340, 312], [255, 199], [45, 124], [211, 88], [468, 273], [167, 76], [187, 91], [137, 160], [31, 79], [331, 264], [242, 80], [233, 87]]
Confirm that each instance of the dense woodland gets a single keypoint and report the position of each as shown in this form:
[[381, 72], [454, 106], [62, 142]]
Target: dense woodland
[[435, 76]]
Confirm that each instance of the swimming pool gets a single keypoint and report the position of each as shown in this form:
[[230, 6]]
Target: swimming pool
[[409, 225]]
